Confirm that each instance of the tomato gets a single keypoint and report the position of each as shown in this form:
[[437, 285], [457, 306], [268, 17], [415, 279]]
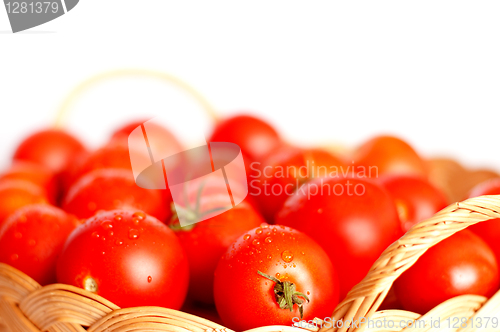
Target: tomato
[[32, 238], [52, 148], [285, 171], [254, 136], [109, 189], [353, 219], [266, 266], [129, 258], [488, 230], [35, 174], [461, 264], [206, 241], [416, 198], [15, 194], [388, 155]]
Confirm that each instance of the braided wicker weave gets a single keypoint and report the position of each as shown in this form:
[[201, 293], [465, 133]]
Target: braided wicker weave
[[25, 306]]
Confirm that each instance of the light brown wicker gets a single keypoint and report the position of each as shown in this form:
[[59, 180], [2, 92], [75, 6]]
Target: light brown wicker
[[26, 306]]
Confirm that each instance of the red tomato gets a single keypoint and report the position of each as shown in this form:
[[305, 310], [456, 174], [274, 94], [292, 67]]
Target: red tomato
[[206, 241], [15, 194], [52, 148], [354, 220], [35, 174], [108, 189], [287, 169], [254, 136], [388, 155], [488, 230], [461, 264], [32, 238], [416, 198], [128, 257], [298, 267]]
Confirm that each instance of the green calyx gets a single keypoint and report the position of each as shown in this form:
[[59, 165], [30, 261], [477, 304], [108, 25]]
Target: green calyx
[[287, 295]]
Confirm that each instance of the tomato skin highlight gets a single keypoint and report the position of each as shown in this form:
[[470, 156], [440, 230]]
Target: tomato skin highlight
[[416, 198], [461, 264], [353, 229], [53, 148], [109, 189], [128, 257], [245, 299], [15, 194], [32, 238], [254, 136]]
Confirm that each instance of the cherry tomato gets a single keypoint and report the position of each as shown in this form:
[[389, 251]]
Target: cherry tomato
[[388, 155], [416, 198], [206, 241], [52, 148], [461, 264], [129, 258], [32, 238], [15, 194], [109, 189], [488, 230], [265, 267], [285, 171], [354, 220], [254, 136], [35, 174]]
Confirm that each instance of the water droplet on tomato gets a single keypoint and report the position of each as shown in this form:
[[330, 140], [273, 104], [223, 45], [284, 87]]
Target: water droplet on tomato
[[31, 242], [287, 256], [139, 215], [133, 234], [118, 242], [320, 211], [111, 233], [278, 275], [150, 279], [269, 239], [18, 235], [118, 217], [136, 221], [256, 242], [269, 257], [303, 253], [258, 231], [14, 257], [95, 235], [264, 225], [106, 224], [246, 237]]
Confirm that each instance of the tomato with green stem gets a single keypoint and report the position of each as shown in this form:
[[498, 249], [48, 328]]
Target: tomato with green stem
[[273, 275]]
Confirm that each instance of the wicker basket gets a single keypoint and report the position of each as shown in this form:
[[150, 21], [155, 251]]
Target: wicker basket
[[26, 306]]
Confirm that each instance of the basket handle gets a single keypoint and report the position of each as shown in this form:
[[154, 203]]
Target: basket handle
[[366, 297], [131, 72]]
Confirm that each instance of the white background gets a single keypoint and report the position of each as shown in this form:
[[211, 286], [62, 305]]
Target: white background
[[320, 71]]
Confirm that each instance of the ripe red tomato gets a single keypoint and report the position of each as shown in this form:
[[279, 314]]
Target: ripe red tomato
[[128, 257], [254, 136], [388, 155], [287, 169], [488, 230], [206, 241], [109, 189], [461, 264], [32, 238], [416, 198], [354, 220], [52, 148], [35, 174], [300, 270], [15, 194]]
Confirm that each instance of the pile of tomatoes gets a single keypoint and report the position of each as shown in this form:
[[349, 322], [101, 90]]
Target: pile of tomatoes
[[311, 226]]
